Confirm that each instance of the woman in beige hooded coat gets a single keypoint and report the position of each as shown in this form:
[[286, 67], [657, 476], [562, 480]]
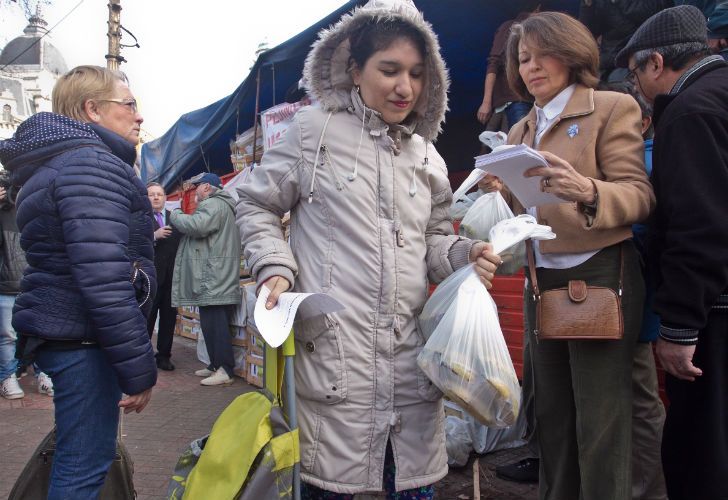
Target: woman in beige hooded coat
[[369, 199]]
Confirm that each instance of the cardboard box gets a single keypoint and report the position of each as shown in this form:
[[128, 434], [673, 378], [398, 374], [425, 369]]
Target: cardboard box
[[189, 312], [188, 327]]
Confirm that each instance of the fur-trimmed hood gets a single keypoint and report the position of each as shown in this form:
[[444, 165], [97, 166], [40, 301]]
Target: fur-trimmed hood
[[327, 79]]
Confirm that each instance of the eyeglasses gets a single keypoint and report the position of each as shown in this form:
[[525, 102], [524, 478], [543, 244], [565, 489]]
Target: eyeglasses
[[632, 74], [129, 103]]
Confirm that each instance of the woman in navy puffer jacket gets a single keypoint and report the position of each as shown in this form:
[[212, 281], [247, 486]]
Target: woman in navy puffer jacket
[[86, 227]]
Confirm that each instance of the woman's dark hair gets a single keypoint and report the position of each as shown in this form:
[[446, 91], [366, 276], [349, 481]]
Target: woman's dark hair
[[378, 34], [560, 36]]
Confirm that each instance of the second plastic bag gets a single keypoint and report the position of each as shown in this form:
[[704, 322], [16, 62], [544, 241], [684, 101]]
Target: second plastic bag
[[467, 358], [484, 214]]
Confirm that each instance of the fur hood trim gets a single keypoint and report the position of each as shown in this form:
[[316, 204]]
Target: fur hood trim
[[327, 79]]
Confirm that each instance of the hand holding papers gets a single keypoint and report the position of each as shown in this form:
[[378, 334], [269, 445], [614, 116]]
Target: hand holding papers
[[509, 163], [275, 325]]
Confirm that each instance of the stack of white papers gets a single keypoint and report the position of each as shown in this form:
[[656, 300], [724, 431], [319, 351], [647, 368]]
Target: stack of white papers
[[509, 163]]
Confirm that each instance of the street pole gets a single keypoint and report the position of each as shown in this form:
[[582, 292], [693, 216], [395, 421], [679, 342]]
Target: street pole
[[114, 58]]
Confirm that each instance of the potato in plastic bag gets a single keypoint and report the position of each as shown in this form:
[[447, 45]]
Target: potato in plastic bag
[[467, 358]]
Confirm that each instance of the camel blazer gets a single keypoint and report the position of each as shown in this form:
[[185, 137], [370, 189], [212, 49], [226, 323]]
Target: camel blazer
[[599, 134]]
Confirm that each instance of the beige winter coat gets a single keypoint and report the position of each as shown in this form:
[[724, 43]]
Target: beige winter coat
[[370, 236]]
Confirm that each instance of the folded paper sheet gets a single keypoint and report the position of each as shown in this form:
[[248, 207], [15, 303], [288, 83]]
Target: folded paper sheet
[[275, 324]]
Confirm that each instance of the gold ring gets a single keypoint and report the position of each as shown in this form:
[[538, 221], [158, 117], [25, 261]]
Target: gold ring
[[547, 181]]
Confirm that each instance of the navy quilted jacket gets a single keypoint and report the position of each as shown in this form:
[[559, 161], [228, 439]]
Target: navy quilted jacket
[[85, 223]]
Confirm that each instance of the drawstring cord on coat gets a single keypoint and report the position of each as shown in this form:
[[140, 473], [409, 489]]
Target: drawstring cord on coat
[[315, 161], [353, 175], [413, 182]]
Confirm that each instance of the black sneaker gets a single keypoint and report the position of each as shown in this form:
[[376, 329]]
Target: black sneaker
[[523, 471], [165, 364]]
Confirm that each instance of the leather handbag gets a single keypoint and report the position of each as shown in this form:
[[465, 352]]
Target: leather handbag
[[578, 311]]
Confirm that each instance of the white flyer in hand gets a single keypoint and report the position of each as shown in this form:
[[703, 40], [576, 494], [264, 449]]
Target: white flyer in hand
[[275, 324]]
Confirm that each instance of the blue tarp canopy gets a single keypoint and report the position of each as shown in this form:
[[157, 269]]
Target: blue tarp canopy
[[200, 140]]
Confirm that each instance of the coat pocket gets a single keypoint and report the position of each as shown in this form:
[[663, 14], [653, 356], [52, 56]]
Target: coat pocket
[[320, 362]]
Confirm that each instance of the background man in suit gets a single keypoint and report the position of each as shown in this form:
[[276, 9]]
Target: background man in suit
[[166, 241]]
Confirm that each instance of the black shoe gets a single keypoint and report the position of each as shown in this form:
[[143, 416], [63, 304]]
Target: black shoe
[[523, 471], [165, 364]]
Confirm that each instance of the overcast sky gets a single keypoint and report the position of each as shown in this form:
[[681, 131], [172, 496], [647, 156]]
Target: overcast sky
[[192, 53]]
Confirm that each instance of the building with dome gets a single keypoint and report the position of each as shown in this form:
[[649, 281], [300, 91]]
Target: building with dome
[[29, 68]]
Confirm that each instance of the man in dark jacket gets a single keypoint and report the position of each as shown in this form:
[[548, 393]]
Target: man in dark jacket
[[669, 61], [166, 241]]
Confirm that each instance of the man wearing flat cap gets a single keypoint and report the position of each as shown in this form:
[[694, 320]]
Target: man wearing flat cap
[[669, 61], [207, 271], [718, 30]]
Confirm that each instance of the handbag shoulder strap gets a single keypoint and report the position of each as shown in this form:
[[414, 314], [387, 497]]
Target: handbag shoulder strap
[[532, 269], [530, 253]]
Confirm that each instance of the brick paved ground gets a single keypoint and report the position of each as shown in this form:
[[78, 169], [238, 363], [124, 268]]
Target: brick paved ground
[[181, 410]]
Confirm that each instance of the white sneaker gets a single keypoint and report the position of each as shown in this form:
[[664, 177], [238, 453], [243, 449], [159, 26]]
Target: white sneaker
[[220, 377], [45, 384], [10, 388], [204, 372]]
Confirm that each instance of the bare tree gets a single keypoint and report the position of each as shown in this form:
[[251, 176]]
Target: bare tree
[[27, 6]]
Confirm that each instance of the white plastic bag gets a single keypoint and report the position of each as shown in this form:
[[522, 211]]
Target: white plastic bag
[[503, 237], [459, 208], [465, 355], [467, 358], [486, 212], [493, 139], [487, 439], [458, 443], [517, 230], [202, 354], [440, 301], [483, 215], [468, 183]]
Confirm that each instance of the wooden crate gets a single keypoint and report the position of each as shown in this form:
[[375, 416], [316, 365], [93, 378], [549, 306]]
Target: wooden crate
[[254, 370], [240, 336]]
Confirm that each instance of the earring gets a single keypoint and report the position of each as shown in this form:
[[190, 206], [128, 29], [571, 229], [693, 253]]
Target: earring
[[358, 89]]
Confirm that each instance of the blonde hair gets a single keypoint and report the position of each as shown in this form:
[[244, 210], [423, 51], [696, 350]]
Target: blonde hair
[[557, 35], [81, 84]]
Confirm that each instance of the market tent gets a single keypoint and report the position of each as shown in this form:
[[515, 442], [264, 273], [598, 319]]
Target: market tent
[[199, 140]]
